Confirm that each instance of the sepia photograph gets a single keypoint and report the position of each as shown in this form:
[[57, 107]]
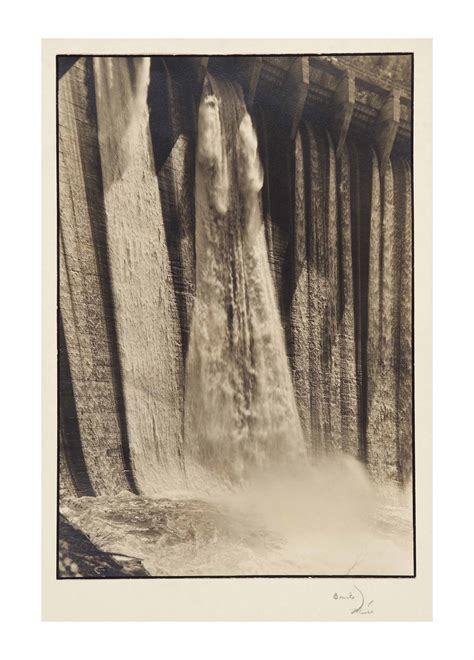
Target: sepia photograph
[[235, 316]]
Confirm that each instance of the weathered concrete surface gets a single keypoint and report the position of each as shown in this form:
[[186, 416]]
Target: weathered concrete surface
[[66, 471], [389, 359], [403, 317], [276, 155], [147, 321], [322, 310], [172, 126], [85, 309], [299, 315], [176, 181], [350, 438], [128, 272]]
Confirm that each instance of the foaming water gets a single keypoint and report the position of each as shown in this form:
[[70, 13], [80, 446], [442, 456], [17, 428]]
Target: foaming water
[[240, 410], [211, 156], [316, 520]]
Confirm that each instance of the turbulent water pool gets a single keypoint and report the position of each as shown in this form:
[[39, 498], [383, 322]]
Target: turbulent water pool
[[325, 521]]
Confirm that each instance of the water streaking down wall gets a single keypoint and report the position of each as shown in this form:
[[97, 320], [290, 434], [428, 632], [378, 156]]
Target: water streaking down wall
[[94, 432], [292, 289], [145, 309]]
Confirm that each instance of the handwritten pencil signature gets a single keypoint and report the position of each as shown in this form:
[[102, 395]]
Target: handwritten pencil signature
[[362, 607]]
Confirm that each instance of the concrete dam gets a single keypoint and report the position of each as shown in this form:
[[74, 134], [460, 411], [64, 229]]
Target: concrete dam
[[235, 310]]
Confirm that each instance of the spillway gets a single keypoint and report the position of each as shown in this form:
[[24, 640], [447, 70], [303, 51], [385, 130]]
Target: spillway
[[240, 408], [235, 303]]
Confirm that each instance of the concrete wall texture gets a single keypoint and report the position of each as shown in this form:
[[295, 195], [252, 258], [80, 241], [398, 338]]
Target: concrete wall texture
[[338, 234]]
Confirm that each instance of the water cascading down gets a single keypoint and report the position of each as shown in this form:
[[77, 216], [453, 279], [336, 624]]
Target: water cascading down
[[240, 410], [145, 311], [233, 336]]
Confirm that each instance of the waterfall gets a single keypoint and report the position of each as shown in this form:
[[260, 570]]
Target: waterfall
[[240, 410], [235, 331]]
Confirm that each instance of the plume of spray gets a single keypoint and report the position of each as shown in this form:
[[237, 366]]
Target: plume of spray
[[211, 154], [250, 173], [324, 517]]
